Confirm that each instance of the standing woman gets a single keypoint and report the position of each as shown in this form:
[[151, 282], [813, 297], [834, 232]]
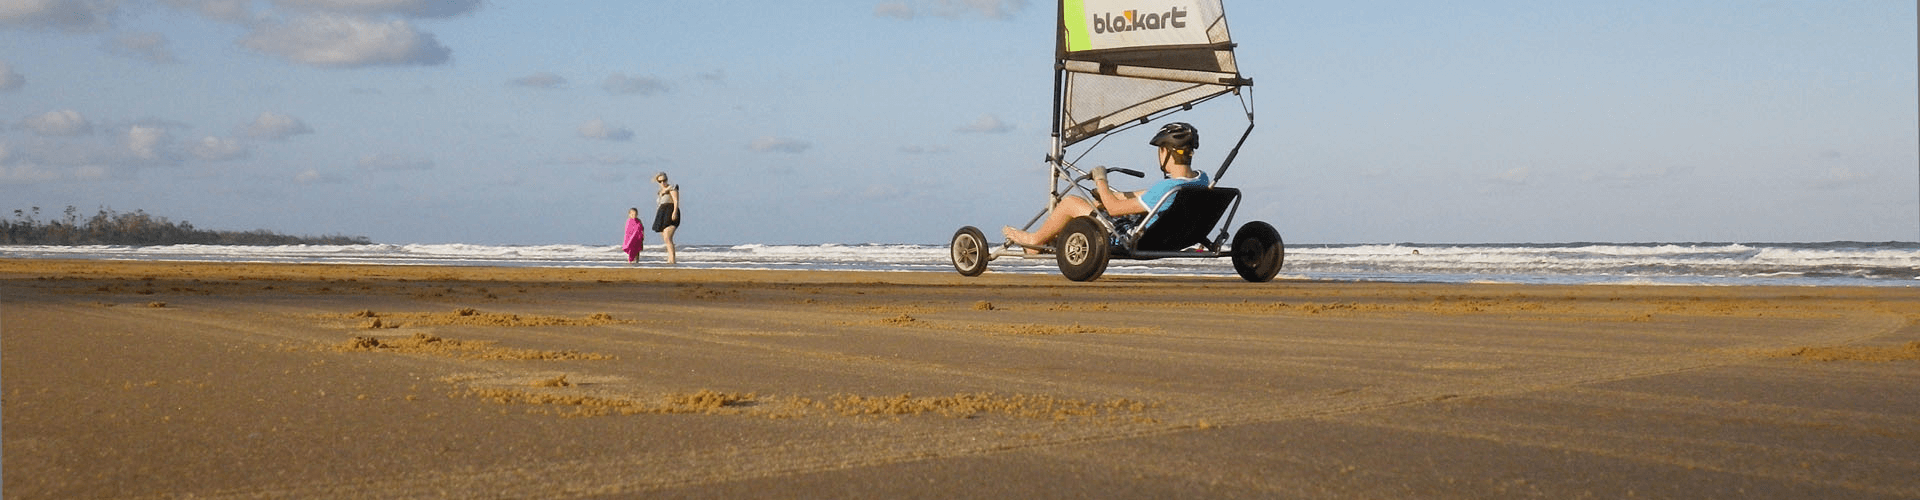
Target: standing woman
[[667, 217]]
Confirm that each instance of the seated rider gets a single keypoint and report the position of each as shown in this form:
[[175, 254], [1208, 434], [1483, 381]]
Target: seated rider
[[1176, 142]]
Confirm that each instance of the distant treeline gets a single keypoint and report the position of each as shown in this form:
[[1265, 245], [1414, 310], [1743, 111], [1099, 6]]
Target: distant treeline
[[140, 228]]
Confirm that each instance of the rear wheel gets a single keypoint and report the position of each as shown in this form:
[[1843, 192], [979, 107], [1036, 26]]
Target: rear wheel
[[1081, 250], [1258, 252], [969, 251]]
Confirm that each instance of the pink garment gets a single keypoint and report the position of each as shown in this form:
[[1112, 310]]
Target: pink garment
[[636, 234]]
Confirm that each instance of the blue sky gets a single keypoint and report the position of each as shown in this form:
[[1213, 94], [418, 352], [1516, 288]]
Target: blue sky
[[433, 121]]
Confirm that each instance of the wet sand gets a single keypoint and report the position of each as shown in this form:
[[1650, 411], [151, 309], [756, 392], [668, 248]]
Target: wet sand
[[131, 380]]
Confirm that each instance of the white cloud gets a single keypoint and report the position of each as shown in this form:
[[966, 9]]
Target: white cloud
[[58, 123], [123, 150], [895, 10], [150, 47], [14, 170], [212, 148], [391, 162], [622, 84], [91, 172], [987, 124], [71, 15], [1842, 177], [408, 8], [609, 177], [275, 127], [311, 176], [1633, 179], [148, 142], [338, 41], [951, 9], [609, 160], [770, 144], [327, 33], [233, 11], [541, 80], [882, 192], [924, 150], [601, 130], [27, 174], [10, 80], [157, 122], [1514, 176], [991, 9]]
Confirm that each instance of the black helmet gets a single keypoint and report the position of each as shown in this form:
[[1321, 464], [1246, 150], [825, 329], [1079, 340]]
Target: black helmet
[[1177, 135]]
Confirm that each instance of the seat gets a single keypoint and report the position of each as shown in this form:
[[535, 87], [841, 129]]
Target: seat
[[1185, 220]]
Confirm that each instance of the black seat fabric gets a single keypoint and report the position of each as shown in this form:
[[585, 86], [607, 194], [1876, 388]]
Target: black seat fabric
[[1187, 219]]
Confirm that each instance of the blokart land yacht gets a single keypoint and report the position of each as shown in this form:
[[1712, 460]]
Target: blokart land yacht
[[1120, 64]]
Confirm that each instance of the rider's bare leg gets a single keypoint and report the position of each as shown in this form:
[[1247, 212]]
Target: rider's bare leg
[[1068, 208]]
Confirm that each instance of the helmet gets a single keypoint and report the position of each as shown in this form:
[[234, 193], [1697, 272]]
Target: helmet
[[1177, 135]]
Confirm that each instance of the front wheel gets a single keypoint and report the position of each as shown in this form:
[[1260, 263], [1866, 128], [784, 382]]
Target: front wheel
[[1258, 252], [969, 251], [1081, 250]]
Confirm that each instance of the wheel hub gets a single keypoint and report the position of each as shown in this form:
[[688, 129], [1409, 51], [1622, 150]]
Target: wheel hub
[[1076, 248]]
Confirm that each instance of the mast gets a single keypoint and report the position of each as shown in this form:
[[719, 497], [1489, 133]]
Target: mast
[[1056, 151]]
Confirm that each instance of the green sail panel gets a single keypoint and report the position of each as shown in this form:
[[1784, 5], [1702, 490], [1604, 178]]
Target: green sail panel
[[1097, 25]]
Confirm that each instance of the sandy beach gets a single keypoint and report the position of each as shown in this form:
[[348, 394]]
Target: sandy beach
[[149, 379]]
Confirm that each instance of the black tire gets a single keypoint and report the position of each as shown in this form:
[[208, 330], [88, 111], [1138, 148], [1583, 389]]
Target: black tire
[[1081, 250], [969, 251], [1258, 252]]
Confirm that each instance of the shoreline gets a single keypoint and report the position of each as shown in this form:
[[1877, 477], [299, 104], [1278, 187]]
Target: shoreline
[[141, 379], [1820, 264], [21, 265]]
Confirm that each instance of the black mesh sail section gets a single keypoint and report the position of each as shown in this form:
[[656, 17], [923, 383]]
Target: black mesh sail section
[[1097, 103]]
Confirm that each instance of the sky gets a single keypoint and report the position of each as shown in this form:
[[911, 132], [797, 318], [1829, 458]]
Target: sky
[[899, 121]]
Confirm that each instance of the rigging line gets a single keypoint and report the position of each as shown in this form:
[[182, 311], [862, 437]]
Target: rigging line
[[1155, 116], [1130, 124], [1246, 100], [1096, 145]]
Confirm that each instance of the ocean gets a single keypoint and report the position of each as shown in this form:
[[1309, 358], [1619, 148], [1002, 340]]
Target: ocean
[[1792, 264]]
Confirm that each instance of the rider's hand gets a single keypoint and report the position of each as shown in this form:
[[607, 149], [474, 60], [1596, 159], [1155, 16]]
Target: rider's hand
[[1099, 174]]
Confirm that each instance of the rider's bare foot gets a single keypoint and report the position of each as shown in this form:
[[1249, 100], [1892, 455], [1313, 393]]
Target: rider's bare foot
[[1017, 236], [1021, 238]]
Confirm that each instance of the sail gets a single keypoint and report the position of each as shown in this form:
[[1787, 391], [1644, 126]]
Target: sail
[[1123, 60]]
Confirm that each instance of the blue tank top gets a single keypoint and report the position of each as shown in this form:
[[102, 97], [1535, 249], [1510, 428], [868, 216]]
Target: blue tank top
[[1161, 189]]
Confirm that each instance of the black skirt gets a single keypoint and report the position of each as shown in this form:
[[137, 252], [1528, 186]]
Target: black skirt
[[665, 218]]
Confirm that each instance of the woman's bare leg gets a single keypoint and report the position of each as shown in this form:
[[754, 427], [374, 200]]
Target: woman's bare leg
[[667, 234]]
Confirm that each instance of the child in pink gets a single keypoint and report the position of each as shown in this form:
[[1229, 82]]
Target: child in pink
[[636, 234]]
